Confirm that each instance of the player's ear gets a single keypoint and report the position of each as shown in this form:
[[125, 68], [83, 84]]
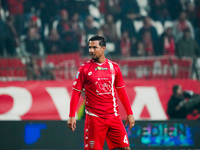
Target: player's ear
[[104, 48]]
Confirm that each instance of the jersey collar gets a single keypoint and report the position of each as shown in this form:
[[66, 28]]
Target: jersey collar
[[100, 64]]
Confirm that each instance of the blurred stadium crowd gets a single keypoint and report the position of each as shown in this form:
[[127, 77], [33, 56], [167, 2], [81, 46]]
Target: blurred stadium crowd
[[133, 28]]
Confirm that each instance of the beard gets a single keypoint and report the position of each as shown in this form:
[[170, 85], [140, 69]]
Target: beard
[[94, 58]]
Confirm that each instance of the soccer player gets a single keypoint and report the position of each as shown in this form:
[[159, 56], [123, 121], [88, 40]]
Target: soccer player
[[101, 78]]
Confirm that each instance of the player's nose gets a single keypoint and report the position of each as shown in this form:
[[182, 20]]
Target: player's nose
[[91, 50]]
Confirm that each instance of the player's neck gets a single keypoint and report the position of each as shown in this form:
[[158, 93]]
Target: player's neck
[[101, 60]]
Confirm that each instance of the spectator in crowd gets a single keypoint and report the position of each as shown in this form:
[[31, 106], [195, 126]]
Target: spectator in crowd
[[110, 7], [53, 43], [46, 73], [48, 12], [159, 11], [12, 40], [100, 32], [3, 35], [128, 6], [33, 23], [198, 12], [147, 26], [90, 28], [134, 46], [172, 110], [102, 7], [196, 69], [66, 33], [192, 13], [72, 6], [34, 71], [82, 9], [63, 26], [197, 36], [149, 44], [109, 29], [27, 5], [32, 43], [166, 44], [71, 42], [83, 43], [76, 24], [125, 44], [3, 5], [127, 24], [181, 24], [174, 7], [187, 46], [16, 9], [165, 16], [140, 49], [182, 103], [32, 68]]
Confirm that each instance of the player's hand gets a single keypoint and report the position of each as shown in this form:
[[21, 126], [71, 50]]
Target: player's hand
[[130, 120], [72, 123]]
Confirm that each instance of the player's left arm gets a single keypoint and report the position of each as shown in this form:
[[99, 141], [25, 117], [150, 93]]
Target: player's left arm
[[120, 88], [126, 103]]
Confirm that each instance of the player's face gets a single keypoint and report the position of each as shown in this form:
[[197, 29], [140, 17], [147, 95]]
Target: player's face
[[95, 50], [180, 91]]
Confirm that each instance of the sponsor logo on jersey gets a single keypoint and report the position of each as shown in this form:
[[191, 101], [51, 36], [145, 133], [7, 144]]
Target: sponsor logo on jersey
[[90, 73], [92, 144], [100, 68], [74, 83], [77, 74]]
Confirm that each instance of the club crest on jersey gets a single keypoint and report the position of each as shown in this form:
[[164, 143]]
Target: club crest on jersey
[[77, 74], [92, 144], [100, 68]]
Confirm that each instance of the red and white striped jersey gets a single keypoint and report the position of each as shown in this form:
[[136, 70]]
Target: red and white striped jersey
[[99, 82]]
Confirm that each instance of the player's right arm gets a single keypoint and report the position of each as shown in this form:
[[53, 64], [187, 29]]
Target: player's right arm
[[73, 105], [77, 87], [72, 123]]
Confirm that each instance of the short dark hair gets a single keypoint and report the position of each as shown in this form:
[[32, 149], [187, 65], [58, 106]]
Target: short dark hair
[[101, 39], [175, 88]]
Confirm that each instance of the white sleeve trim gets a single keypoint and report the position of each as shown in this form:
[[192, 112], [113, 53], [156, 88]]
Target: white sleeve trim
[[76, 89], [120, 87]]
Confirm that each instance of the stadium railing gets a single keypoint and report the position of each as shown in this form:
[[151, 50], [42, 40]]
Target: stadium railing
[[65, 66]]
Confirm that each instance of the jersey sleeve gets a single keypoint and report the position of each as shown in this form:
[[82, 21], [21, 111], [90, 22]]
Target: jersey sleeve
[[79, 80], [119, 82], [125, 100], [74, 103]]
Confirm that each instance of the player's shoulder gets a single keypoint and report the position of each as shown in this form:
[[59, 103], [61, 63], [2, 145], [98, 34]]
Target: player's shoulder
[[114, 63], [86, 64]]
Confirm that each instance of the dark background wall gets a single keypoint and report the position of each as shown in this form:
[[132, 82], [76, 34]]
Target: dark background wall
[[56, 135]]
